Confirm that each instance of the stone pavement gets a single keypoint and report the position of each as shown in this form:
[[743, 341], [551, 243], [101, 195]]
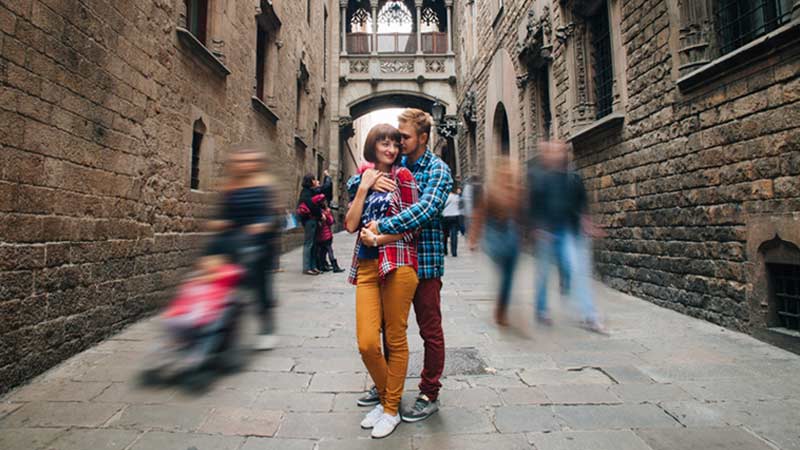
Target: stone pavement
[[660, 381]]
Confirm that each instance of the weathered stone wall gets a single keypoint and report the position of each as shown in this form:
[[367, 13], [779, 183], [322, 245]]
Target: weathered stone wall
[[680, 182], [97, 104]]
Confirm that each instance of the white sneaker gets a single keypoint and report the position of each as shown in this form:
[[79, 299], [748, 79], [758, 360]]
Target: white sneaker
[[372, 417], [385, 426]]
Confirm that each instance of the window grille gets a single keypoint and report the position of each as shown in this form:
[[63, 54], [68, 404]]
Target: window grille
[[197, 139], [361, 21], [544, 101], [740, 21], [785, 281], [430, 18], [602, 62], [261, 63], [395, 16], [197, 18]]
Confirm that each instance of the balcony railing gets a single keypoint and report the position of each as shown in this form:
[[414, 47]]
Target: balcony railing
[[359, 43], [396, 43], [435, 42]]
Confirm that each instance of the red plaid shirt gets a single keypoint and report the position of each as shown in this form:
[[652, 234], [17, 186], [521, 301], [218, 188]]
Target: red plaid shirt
[[402, 252]]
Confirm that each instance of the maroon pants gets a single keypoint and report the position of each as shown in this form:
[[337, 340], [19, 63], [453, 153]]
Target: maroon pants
[[427, 308]]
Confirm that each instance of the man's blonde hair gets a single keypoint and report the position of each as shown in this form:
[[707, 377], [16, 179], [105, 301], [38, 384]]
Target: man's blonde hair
[[420, 119]]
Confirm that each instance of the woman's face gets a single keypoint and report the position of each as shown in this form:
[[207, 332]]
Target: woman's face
[[245, 163], [386, 152]]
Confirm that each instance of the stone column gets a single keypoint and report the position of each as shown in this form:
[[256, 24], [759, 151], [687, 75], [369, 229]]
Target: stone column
[[418, 4], [695, 34], [449, 4], [374, 4], [343, 5]]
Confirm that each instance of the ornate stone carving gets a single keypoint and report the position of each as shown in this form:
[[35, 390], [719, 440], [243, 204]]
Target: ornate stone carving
[[434, 66], [359, 66], [584, 108], [534, 45], [397, 66], [695, 34], [346, 127], [469, 107]]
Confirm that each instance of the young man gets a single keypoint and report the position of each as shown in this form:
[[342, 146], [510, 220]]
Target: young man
[[434, 183], [558, 212]]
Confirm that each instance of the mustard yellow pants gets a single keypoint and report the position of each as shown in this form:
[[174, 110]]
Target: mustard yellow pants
[[386, 303]]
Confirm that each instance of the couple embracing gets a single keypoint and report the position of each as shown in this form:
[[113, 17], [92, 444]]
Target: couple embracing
[[398, 262]]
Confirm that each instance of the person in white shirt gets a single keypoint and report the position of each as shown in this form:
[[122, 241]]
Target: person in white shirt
[[452, 221]]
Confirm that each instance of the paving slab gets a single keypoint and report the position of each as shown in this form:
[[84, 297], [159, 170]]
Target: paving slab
[[59, 391], [472, 442], [704, 438], [28, 438], [321, 425], [649, 393], [182, 441], [95, 439], [614, 417], [581, 394], [260, 443], [61, 414], [161, 417], [587, 440], [339, 382], [585, 375], [521, 419], [292, 401], [524, 396], [242, 422], [477, 397]]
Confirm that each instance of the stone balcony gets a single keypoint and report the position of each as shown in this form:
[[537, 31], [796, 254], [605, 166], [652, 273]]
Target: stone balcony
[[377, 68]]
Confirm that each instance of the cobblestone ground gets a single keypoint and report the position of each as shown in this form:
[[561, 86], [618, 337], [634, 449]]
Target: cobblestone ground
[[660, 381]]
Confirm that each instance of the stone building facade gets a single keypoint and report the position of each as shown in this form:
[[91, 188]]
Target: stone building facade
[[116, 118], [685, 122]]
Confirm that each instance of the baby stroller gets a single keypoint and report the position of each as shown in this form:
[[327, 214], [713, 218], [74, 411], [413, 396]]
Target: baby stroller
[[201, 322]]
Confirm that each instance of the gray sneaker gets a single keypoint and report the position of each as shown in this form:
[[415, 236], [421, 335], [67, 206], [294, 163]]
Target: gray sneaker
[[423, 408], [371, 398]]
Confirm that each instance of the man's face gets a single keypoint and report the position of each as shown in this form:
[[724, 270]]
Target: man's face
[[409, 139]]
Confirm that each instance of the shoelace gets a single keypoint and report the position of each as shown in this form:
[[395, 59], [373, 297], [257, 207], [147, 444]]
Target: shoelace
[[420, 404]]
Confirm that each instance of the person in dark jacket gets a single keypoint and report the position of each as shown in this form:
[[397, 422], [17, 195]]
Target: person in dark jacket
[[310, 219], [249, 219]]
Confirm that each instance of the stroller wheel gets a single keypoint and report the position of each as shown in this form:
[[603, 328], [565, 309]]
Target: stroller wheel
[[198, 382], [150, 377]]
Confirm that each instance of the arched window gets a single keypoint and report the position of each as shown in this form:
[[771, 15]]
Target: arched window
[[395, 17], [502, 138], [198, 131]]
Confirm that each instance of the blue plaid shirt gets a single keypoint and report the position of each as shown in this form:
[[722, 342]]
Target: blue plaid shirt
[[434, 183]]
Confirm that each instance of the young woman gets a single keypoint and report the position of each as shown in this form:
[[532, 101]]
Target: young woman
[[496, 221], [384, 271]]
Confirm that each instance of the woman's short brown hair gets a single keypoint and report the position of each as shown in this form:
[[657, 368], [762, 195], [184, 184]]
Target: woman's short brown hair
[[377, 134]]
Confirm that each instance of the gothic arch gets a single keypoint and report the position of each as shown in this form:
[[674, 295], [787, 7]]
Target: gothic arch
[[502, 94]]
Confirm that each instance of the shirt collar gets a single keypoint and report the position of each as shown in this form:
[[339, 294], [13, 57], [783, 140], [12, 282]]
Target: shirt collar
[[423, 160]]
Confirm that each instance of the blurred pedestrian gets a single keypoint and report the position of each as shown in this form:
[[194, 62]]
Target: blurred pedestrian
[[559, 216], [249, 217], [496, 225], [384, 271], [309, 214], [452, 221]]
